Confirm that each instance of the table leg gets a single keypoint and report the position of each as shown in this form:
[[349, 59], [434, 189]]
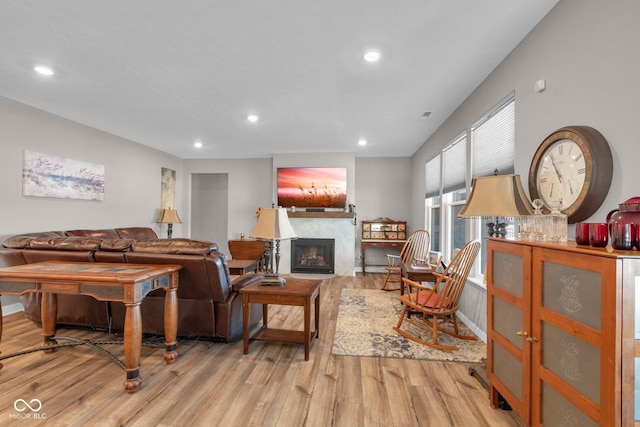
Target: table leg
[[307, 326], [0, 328], [170, 325], [364, 251], [317, 314], [245, 322], [132, 345], [49, 312]]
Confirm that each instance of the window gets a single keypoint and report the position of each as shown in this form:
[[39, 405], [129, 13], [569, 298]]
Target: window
[[445, 196], [448, 176], [493, 133]]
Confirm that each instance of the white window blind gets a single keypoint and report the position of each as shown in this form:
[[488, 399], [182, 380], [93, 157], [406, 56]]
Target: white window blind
[[493, 140], [454, 164], [432, 170]]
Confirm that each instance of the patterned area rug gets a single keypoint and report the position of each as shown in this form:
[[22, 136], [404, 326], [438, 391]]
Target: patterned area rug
[[365, 328]]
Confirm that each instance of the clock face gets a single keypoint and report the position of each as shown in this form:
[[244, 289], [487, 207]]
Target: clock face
[[574, 166], [561, 174]]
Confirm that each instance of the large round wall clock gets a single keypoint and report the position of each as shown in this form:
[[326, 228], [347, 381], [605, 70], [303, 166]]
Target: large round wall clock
[[572, 169]]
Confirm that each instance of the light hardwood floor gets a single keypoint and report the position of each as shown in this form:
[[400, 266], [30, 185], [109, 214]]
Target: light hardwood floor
[[215, 384]]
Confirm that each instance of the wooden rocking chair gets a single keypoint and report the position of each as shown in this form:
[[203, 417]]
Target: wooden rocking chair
[[438, 305], [417, 247]]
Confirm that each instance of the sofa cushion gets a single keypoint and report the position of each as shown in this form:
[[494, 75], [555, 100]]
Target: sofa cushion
[[22, 241], [72, 243], [116, 245], [174, 246], [108, 233], [136, 233]]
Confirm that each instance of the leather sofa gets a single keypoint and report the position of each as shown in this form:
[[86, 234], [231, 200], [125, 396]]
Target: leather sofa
[[209, 302]]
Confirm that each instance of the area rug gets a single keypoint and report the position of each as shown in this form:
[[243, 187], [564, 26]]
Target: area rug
[[365, 328]]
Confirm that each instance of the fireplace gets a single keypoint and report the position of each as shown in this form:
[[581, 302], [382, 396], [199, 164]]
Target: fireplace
[[312, 255]]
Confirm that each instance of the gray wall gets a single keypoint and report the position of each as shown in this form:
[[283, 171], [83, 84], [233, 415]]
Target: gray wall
[[132, 176], [587, 51]]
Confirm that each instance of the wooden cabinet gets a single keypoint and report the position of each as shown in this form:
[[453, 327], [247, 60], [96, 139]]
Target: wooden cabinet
[[560, 332], [382, 233], [385, 229]]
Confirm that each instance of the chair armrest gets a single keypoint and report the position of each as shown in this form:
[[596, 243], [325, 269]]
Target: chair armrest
[[393, 260], [244, 280]]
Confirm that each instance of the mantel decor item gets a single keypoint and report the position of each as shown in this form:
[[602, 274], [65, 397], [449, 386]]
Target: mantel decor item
[[499, 197], [169, 217], [273, 224]]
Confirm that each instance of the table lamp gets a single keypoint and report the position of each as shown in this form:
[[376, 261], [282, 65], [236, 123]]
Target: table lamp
[[170, 217], [497, 196], [273, 224]]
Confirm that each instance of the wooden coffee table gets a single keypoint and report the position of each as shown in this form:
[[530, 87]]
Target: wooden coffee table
[[297, 292], [127, 283]]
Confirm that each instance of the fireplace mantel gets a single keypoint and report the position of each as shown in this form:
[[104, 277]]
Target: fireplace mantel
[[331, 225], [326, 214]]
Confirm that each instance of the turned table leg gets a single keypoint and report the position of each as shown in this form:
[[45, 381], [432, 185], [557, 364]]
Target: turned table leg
[[170, 325], [132, 346], [49, 312]]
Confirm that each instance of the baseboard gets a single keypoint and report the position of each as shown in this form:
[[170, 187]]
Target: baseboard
[[12, 308], [480, 333]]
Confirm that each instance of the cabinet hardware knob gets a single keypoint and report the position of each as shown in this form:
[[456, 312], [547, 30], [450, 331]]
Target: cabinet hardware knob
[[522, 333], [532, 339]]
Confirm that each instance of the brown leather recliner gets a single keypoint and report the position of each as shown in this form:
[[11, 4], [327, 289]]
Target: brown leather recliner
[[209, 303]]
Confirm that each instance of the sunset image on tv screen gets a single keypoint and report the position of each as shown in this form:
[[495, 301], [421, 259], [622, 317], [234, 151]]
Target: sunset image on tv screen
[[312, 187]]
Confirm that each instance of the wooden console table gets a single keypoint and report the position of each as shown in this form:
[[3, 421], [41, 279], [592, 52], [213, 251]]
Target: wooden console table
[[126, 283], [242, 266], [296, 292], [378, 243]]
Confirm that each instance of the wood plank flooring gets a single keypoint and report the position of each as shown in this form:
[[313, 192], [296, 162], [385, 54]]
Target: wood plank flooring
[[215, 384]]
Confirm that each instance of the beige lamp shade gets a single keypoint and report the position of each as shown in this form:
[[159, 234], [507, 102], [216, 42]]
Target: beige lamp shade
[[497, 196], [169, 216], [273, 224]]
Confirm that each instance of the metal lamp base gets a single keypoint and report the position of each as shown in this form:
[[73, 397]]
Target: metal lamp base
[[272, 279]]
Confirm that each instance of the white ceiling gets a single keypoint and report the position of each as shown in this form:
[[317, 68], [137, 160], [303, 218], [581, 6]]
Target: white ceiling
[[165, 73]]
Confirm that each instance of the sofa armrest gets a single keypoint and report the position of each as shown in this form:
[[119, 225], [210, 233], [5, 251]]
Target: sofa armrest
[[246, 279]]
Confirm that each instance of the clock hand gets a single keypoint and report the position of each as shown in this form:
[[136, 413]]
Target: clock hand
[[553, 162]]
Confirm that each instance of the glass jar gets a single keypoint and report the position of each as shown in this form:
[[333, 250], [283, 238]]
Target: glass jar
[[557, 224], [537, 224]]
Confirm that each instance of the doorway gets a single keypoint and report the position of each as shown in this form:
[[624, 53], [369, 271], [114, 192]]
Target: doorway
[[210, 207]]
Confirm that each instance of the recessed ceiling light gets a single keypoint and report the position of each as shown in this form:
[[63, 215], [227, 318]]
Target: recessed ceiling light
[[252, 118], [44, 70], [362, 142], [197, 144], [371, 56]]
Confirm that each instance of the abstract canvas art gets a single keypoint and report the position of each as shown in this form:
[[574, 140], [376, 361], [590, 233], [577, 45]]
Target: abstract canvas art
[[44, 175], [168, 189]]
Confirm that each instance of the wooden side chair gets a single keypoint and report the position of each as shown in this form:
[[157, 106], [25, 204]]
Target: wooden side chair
[[417, 247], [438, 305]]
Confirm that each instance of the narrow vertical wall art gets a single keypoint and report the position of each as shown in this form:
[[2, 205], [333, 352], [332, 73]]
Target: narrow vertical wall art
[[168, 189]]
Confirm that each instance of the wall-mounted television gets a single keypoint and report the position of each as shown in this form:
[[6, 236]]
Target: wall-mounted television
[[312, 187]]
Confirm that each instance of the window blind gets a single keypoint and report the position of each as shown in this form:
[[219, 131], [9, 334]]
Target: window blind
[[493, 140], [454, 164], [432, 171]]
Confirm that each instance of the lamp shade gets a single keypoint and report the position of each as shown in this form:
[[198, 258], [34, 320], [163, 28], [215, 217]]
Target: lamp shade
[[273, 224], [169, 216], [497, 196]]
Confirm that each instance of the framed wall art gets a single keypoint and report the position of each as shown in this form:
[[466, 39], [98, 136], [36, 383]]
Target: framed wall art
[[44, 175]]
